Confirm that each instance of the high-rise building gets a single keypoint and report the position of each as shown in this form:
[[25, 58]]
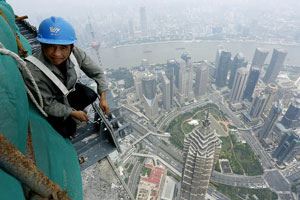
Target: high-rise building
[[166, 90], [275, 65], [172, 67], [258, 105], [288, 148], [202, 73], [239, 85], [222, 67], [143, 21], [251, 83], [144, 63], [149, 92], [187, 59], [279, 131], [188, 90], [137, 77], [286, 90], [218, 55], [270, 121], [189, 83], [201, 151], [270, 91], [130, 28], [259, 57], [291, 117], [237, 62], [149, 86], [181, 82]]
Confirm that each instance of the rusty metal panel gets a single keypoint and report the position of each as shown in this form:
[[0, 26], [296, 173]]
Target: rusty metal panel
[[16, 164]]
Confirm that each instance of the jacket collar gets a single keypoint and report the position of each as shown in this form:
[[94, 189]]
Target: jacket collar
[[70, 78]]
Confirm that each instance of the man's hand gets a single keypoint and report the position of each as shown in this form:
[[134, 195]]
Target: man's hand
[[103, 104], [80, 115]]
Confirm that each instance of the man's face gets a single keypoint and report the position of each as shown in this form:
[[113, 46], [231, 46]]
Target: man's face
[[56, 54]]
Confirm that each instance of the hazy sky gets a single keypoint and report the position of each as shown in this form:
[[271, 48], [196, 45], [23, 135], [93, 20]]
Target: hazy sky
[[37, 10], [79, 7]]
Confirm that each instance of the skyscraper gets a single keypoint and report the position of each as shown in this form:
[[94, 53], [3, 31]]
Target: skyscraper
[[291, 117], [137, 77], [270, 121], [239, 85], [185, 56], [149, 86], [222, 67], [259, 57], [130, 28], [166, 90], [288, 147], [181, 82], [237, 62], [251, 83], [258, 105], [150, 95], [202, 74], [218, 55], [188, 90], [172, 65], [275, 65], [143, 21], [144, 63], [270, 91], [201, 151]]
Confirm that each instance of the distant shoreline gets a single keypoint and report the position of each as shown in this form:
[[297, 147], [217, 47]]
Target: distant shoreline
[[159, 52], [199, 41]]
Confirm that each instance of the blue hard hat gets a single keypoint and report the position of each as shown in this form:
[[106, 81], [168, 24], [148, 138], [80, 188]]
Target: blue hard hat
[[56, 30]]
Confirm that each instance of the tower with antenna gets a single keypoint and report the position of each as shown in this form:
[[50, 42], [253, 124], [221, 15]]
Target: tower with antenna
[[200, 155], [95, 44]]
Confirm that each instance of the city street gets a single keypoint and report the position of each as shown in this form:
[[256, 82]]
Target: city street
[[271, 178]]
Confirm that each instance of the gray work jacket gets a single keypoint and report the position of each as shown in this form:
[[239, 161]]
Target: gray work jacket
[[52, 96]]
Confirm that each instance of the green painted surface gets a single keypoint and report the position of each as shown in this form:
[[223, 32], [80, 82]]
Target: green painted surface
[[55, 156]]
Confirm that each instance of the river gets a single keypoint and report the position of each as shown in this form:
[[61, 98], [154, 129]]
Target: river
[[131, 55]]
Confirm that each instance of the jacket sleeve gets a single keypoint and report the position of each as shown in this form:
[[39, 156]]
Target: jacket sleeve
[[51, 105], [91, 69]]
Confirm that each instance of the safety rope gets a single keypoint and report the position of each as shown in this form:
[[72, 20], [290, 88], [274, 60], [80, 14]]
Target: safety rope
[[22, 66], [21, 50]]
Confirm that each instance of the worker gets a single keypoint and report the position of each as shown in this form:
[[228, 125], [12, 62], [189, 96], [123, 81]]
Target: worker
[[55, 69]]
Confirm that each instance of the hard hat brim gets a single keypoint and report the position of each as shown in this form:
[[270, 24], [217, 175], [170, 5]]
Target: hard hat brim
[[60, 42]]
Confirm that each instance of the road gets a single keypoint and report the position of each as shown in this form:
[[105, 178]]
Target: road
[[149, 133], [265, 159], [136, 176], [133, 176], [241, 181], [184, 109], [249, 137], [276, 181], [272, 176], [217, 195], [238, 180], [293, 173], [157, 145], [234, 180], [159, 159], [177, 167]]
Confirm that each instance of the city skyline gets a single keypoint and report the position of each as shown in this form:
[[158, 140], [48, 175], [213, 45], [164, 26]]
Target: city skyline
[[172, 147]]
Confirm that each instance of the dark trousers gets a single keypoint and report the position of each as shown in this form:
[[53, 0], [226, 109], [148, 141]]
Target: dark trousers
[[79, 99]]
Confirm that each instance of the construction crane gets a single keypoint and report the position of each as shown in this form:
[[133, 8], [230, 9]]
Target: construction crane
[[95, 44]]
